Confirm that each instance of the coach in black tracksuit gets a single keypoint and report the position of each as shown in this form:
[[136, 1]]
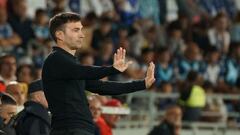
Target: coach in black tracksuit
[[65, 80], [35, 119]]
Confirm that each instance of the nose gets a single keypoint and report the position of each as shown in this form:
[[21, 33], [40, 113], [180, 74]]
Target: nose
[[82, 35]]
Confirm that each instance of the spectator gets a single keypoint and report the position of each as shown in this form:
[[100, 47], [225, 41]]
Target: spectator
[[96, 110], [102, 33], [15, 90], [8, 38], [164, 103], [8, 109], [108, 121], [235, 29], [34, 118], [219, 35], [164, 68], [199, 34], [150, 38], [192, 97], [231, 65], [40, 26], [213, 67], [104, 57], [192, 60], [147, 56], [171, 123], [25, 73], [21, 24], [8, 68], [90, 23], [175, 41]]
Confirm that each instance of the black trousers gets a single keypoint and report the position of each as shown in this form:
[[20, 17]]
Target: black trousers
[[75, 131]]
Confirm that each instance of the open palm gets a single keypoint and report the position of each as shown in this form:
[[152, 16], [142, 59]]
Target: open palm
[[150, 79], [120, 61]]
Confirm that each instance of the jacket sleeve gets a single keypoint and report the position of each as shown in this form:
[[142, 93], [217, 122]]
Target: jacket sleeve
[[60, 67], [114, 88], [34, 127]]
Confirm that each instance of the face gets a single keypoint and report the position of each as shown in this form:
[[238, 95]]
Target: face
[[177, 34], [9, 66], [167, 88], [105, 27], [20, 8], [174, 116], [214, 57], [222, 23], [16, 91], [193, 52], [25, 75], [42, 19], [95, 108], [72, 35], [165, 56], [7, 112]]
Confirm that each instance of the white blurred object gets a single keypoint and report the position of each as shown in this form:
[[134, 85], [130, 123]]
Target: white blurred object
[[33, 5], [115, 110], [172, 10]]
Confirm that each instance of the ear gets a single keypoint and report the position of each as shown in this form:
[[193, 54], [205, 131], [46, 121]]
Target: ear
[[59, 35]]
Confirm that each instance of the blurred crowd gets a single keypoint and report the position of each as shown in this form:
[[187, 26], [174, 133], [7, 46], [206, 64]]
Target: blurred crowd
[[192, 42]]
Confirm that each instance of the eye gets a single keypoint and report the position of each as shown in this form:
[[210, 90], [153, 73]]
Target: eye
[[76, 29]]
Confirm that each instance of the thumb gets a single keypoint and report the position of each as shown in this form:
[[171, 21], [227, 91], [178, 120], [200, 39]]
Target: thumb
[[129, 63]]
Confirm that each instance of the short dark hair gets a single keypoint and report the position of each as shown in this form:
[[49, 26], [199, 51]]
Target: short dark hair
[[40, 12], [57, 22], [3, 57]]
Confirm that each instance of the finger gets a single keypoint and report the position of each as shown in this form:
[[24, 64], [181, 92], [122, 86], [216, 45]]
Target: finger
[[115, 57], [118, 54], [129, 63], [124, 54], [151, 70], [121, 52]]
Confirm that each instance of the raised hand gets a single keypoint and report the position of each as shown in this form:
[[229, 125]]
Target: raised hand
[[150, 79], [119, 60]]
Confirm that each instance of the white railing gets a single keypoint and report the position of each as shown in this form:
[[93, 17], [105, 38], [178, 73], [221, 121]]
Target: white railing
[[147, 118]]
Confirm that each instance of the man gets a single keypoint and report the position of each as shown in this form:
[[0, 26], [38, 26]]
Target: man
[[14, 89], [192, 97], [8, 108], [20, 22], [8, 67], [34, 119], [109, 118], [95, 107], [64, 79], [171, 124]]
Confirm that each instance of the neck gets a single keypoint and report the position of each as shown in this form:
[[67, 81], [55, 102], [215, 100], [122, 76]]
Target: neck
[[64, 47]]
